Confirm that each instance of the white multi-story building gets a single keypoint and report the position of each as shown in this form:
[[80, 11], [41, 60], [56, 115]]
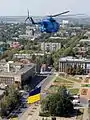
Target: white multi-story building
[[66, 62], [50, 47], [15, 73]]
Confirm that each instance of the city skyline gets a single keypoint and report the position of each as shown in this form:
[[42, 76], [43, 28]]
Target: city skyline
[[42, 8]]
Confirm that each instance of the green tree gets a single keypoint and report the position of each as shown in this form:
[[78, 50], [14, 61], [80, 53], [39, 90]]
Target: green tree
[[79, 70], [10, 100], [38, 64], [33, 58], [50, 60], [3, 106], [58, 104], [44, 59]]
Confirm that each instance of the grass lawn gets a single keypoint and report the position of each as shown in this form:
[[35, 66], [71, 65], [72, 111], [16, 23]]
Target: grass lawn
[[62, 82], [53, 88], [85, 85], [59, 79], [74, 91], [69, 86], [74, 79]]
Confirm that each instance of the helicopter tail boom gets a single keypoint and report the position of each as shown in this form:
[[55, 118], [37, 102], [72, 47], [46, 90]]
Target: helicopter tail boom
[[32, 20]]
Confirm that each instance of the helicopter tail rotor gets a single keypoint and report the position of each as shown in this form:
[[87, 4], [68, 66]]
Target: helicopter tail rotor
[[28, 17]]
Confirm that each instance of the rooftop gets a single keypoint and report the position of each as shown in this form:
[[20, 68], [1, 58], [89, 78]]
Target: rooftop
[[20, 69], [73, 59], [85, 40]]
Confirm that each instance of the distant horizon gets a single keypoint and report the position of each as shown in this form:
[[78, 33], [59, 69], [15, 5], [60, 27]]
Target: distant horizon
[[45, 16], [49, 14]]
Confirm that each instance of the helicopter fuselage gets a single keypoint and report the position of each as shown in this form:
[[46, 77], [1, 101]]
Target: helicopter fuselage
[[49, 25]]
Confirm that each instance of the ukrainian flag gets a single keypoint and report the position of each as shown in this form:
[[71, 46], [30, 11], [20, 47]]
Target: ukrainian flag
[[34, 95]]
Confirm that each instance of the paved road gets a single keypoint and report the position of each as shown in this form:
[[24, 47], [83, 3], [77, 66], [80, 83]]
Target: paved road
[[85, 114], [43, 84], [36, 80], [84, 101], [31, 113]]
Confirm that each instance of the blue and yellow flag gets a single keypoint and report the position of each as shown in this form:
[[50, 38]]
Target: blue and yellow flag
[[34, 95]]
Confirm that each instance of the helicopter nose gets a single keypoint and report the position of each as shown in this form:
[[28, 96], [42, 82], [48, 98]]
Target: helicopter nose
[[42, 29]]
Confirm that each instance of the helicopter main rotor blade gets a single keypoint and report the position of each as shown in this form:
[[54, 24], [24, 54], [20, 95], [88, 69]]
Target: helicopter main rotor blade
[[59, 14], [73, 15]]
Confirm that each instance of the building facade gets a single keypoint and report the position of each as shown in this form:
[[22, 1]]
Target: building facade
[[66, 62], [16, 73]]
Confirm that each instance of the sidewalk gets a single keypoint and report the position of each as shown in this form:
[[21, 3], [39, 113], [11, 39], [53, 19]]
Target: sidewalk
[[85, 114]]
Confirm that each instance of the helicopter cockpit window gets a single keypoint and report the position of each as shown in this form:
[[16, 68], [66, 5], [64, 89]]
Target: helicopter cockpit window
[[52, 20], [45, 24]]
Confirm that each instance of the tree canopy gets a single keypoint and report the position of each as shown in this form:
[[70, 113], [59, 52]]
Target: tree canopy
[[9, 101], [58, 104], [67, 50]]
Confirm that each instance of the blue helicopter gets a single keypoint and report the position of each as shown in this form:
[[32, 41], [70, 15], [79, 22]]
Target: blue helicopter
[[48, 25]]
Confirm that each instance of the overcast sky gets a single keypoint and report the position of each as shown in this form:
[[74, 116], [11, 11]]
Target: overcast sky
[[42, 7]]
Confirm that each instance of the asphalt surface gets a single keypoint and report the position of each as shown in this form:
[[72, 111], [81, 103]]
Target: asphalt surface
[[44, 85], [36, 81], [83, 101]]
